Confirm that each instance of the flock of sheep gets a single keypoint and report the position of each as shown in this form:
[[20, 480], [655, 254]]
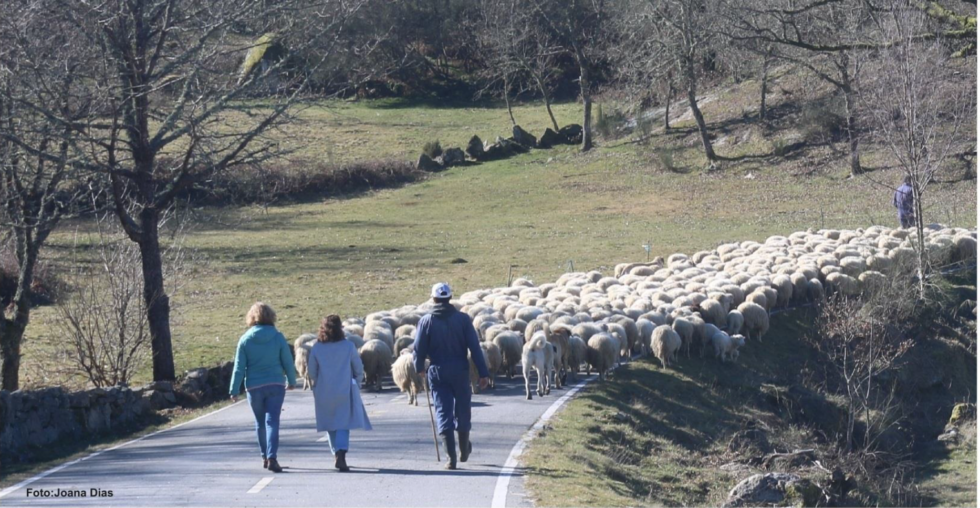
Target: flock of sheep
[[705, 301]]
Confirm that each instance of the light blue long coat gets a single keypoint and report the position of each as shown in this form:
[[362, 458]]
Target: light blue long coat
[[337, 400]]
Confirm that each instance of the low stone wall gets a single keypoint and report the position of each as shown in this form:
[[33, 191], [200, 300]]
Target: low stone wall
[[30, 420]]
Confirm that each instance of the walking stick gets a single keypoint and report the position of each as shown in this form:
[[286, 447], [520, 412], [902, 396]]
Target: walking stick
[[432, 419]]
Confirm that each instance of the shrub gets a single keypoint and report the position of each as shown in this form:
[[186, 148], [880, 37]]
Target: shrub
[[298, 179], [609, 126], [433, 149], [665, 159]]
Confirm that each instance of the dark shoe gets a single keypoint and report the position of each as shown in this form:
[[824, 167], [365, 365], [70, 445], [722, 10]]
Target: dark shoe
[[265, 463], [465, 446], [274, 466], [341, 461], [449, 442]]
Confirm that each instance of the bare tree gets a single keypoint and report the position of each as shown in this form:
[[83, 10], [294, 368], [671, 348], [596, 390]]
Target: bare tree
[[105, 319], [579, 27], [824, 37], [172, 107], [921, 104], [38, 186], [669, 40]]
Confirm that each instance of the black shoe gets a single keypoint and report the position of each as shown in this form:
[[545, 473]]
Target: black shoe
[[449, 442], [341, 461], [265, 463], [465, 446], [274, 466]]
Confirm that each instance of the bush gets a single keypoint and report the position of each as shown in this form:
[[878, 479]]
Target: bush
[[665, 159], [433, 149], [609, 126], [300, 179]]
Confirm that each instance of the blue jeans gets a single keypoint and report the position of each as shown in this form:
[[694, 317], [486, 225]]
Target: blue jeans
[[266, 403], [451, 394], [339, 440]]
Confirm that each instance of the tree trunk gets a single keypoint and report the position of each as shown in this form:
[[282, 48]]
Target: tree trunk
[[12, 329], [764, 88], [692, 99], [852, 137], [155, 297], [10, 339], [586, 91], [670, 97], [507, 101], [547, 101]]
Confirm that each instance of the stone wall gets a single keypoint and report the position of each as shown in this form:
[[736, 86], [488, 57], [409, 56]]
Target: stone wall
[[30, 420]]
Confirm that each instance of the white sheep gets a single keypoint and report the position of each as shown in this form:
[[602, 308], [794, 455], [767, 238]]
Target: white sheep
[[665, 343], [379, 330], [685, 330], [735, 321], [357, 340], [494, 359], [510, 344], [403, 343], [576, 354], [755, 319], [301, 349], [535, 356], [600, 353], [713, 312], [376, 357], [726, 346], [406, 378]]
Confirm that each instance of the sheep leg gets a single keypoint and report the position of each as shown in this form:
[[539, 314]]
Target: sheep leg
[[527, 383]]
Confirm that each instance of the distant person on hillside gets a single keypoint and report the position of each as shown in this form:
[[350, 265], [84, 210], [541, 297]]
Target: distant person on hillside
[[444, 336], [264, 362], [337, 372], [904, 201]]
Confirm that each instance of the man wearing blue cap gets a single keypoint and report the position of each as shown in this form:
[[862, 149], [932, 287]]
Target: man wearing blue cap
[[444, 336]]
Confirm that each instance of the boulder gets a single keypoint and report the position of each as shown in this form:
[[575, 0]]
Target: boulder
[[572, 133], [962, 412], [498, 150], [475, 148], [425, 163], [513, 145], [524, 138], [550, 138], [779, 489], [453, 157]]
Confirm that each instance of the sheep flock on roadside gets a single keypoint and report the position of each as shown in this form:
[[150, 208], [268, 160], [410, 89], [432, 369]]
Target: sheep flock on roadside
[[710, 303]]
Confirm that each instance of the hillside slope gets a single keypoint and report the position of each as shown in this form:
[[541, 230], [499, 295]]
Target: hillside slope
[[534, 215]]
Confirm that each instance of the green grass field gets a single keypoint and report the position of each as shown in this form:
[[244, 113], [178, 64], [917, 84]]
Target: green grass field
[[537, 215]]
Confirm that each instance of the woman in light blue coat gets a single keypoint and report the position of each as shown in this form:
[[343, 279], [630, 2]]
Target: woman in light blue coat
[[336, 371]]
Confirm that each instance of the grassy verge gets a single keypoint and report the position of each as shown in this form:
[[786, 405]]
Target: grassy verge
[[654, 437], [69, 450], [949, 475]]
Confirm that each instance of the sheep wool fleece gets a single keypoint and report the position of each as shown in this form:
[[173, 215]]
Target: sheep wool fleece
[[444, 336]]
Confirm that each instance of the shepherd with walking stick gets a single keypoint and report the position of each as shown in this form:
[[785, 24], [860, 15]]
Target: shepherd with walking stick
[[444, 336]]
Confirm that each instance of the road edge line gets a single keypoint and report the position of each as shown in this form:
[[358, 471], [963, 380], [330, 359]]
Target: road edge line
[[507, 472], [23, 483]]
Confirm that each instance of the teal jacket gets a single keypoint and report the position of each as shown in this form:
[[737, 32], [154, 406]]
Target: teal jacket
[[263, 358]]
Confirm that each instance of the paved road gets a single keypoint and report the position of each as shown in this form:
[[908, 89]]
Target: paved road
[[215, 462]]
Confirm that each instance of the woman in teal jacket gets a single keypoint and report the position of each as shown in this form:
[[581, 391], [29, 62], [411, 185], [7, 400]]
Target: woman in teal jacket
[[264, 362]]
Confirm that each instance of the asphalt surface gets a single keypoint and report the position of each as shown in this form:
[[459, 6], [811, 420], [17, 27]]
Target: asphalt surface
[[215, 461]]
